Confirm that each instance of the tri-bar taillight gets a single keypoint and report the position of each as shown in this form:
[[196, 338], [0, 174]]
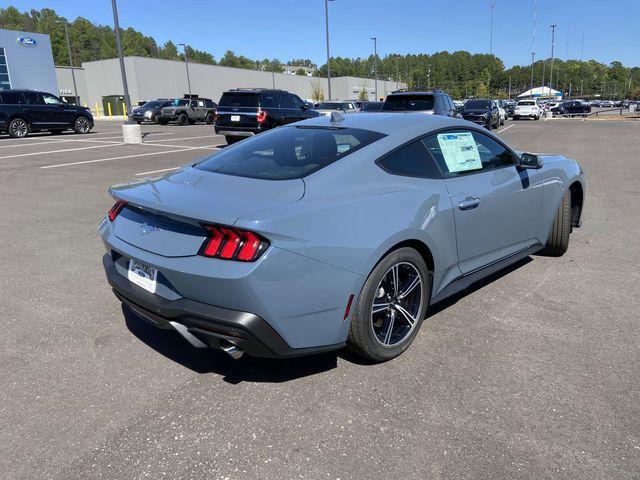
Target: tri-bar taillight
[[228, 243], [116, 209]]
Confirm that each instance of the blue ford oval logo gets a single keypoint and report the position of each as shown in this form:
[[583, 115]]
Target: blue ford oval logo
[[27, 41]]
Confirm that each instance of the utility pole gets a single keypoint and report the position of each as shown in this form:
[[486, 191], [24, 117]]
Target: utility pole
[[533, 43], [509, 87], [492, 5], [73, 73], [581, 85], [429, 76], [116, 25], [553, 42], [582, 48], [375, 63], [326, 20], [186, 64]]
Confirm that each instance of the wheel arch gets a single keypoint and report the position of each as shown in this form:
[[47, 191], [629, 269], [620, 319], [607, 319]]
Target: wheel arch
[[577, 200]]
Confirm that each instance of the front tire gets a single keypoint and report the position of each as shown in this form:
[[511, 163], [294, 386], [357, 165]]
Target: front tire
[[82, 125], [18, 128], [183, 119], [558, 241], [391, 306]]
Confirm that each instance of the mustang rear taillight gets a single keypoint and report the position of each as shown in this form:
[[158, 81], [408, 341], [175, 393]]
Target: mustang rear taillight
[[116, 209], [229, 243], [261, 116]]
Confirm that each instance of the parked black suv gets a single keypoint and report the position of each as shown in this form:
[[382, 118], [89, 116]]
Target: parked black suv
[[25, 111], [482, 111], [243, 112], [148, 112], [435, 102]]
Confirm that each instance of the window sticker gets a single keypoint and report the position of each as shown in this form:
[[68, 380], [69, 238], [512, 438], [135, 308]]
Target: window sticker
[[460, 151]]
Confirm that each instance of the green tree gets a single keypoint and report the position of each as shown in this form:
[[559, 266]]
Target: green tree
[[301, 71]]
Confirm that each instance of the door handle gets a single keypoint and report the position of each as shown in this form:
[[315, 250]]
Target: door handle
[[469, 203]]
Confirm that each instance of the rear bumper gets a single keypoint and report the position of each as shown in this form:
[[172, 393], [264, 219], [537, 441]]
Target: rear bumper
[[215, 326], [234, 131]]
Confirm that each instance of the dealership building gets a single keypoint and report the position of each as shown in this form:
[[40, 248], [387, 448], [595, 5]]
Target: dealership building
[[26, 61]]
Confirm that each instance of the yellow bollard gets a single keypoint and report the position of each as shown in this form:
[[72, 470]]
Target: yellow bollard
[[85, 104], [97, 111], [109, 108], [124, 109]]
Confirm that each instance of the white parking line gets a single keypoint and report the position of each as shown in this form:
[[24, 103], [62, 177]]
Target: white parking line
[[505, 129], [119, 158], [62, 150], [156, 171], [208, 147], [36, 140], [187, 138]]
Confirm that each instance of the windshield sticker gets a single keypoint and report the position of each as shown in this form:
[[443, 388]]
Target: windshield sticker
[[460, 151]]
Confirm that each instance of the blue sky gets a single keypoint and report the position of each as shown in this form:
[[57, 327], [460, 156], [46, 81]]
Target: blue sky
[[288, 29]]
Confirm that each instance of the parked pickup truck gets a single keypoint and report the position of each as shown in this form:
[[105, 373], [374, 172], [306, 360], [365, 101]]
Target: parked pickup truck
[[188, 111]]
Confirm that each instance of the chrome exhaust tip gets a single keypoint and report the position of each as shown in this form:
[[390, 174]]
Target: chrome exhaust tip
[[231, 350]]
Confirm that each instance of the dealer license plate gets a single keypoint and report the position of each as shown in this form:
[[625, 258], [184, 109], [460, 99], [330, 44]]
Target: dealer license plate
[[142, 275], [235, 118]]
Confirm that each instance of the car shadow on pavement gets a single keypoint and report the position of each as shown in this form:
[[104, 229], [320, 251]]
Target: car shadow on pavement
[[210, 360], [447, 302]]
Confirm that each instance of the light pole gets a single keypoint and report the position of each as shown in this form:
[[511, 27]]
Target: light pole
[[326, 21], [553, 42], [116, 28], [73, 73], [493, 8], [186, 64], [375, 63], [533, 43], [533, 56]]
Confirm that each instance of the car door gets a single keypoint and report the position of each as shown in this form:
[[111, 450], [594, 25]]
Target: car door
[[33, 105], [201, 109], [497, 206], [58, 115], [290, 113]]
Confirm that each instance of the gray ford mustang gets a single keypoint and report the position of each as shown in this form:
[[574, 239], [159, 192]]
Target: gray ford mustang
[[333, 231]]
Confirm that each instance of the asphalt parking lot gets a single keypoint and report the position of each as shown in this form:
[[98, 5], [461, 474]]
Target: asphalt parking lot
[[532, 374]]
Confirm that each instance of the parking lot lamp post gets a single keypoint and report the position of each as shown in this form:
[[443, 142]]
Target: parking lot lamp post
[[326, 22], [73, 73], [116, 28], [533, 56], [375, 63], [186, 64], [553, 41]]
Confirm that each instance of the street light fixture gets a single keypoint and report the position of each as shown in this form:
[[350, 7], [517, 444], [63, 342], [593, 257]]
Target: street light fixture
[[375, 63], [326, 20], [116, 28], [186, 64], [73, 73]]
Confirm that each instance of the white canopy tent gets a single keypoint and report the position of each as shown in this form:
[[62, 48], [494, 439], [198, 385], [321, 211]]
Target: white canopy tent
[[541, 92]]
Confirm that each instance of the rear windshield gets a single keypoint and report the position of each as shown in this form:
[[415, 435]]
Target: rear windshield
[[526, 103], [408, 102], [288, 152], [232, 99], [477, 104]]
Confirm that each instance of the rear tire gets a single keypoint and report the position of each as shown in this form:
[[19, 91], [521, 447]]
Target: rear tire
[[209, 119], [387, 332], [558, 241], [18, 128]]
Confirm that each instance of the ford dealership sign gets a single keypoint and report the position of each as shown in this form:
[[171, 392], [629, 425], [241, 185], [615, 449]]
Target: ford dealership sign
[[26, 41]]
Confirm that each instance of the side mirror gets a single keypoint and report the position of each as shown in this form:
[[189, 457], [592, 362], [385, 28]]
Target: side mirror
[[530, 161], [304, 107]]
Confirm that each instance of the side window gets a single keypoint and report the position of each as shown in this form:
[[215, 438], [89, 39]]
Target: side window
[[32, 98], [208, 103], [464, 151], [287, 101], [412, 160], [50, 99], [12, 98], [270, 99], [297, 101], [201, 103]]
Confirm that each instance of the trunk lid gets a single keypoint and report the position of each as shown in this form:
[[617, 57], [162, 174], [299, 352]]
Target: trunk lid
[[165, 215]]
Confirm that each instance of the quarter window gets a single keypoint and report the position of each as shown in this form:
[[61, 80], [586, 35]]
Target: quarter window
[[464, 151], [50, 99], [412, 160]]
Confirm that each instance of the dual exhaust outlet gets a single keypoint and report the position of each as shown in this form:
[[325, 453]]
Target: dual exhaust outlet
[[226, 346]]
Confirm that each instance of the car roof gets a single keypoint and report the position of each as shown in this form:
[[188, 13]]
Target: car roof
[[429, 92], [388, 123], [254, 90]]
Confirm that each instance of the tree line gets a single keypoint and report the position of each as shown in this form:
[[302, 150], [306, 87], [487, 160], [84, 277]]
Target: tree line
[[460, 73]]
